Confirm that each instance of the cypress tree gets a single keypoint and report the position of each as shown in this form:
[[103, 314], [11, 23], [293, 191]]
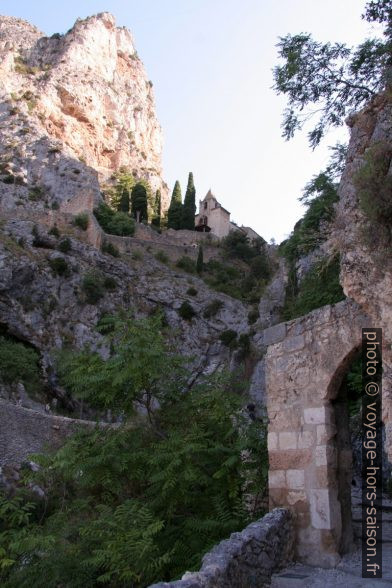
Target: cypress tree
[[174, 216], [156, 221], [199, 262], [189, 208], [139, 202], [123, 205]]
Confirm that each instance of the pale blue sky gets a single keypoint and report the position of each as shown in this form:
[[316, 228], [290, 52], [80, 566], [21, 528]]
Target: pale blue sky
[[210, 62]]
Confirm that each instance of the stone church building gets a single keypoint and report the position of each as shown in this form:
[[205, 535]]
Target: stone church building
[[212, 217]]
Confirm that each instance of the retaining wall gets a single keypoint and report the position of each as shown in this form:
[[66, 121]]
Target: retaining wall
[[247, 559]]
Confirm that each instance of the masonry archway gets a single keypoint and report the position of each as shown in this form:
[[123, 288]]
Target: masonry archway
[[306, 362]]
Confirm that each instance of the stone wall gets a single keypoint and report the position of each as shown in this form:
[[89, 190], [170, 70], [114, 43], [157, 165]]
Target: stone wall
[[246, 559], [32, 432], [306, 361]]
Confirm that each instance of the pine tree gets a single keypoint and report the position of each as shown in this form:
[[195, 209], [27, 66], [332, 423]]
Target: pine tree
[[156, 221], [139, 202], [199, 262], [189, 208], [174, 218]]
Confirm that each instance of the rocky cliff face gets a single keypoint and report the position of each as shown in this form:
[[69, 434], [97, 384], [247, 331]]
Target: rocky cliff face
[[74, 108], [366, 271]]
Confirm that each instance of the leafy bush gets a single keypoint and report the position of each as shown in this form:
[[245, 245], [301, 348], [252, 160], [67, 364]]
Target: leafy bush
[[229, 338], [161, 256], [213, 308], [192, 291], [60, 266], [319, 287], [187, 264], [110, 283], [65, 245], [186, 311], [54, 231], [253, 315], [18, 363], [93, 287], [111, 249], [81, 220], [320, 196], [244, 346], [374, 184], [134, 505], [137, 255], [114, 223]]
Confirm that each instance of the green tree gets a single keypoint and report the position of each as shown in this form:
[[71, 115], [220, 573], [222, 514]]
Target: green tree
[[189, 208], [174, 216], [19, 363], [139, 202], [200, 261], [157, 213], [119, 194], [333, 77], [133, 505]]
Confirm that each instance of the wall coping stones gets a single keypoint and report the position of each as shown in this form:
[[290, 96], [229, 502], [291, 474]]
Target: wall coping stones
[[247, 559]]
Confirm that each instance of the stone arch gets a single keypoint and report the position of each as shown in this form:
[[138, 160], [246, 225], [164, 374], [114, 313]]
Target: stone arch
[[306, 361]]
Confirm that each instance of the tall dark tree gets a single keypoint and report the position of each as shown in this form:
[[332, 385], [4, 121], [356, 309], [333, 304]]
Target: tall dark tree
[[123, 205], [174, 216], [139, 202], [200, 260], [329, 80], [189, 208], [156, 220]]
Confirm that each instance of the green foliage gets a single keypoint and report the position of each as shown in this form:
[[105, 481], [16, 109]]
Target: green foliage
[[213, 308], [114, 223], [229, 338], [189, 207], [253, 315], [18, 363], [54, 231], [139, 202], [59, 266], [109, 283], [192, 291], [136, 504], [162, 257], [187, 264], [81, 220], [65, 245], [174, 215], [374, 185], [319, 287], [332, 80], [93, 287], [320, 196], [186, 311], [353, 382], [200, 260], [108, 247], [157, 210], [244, 346], [137, 366], [118, 195]]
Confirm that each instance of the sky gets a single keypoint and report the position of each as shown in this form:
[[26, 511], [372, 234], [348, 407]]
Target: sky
[[211, 65]]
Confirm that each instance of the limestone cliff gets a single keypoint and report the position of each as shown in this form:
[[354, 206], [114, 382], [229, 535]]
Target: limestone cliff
[[366, 271], [74, 108]]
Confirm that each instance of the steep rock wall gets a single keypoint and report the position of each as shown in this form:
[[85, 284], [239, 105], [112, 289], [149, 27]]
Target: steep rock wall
[[74, 108], [366, 269]]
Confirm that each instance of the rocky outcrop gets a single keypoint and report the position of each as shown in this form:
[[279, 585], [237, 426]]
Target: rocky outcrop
[[47, 310], [366, 270], [74, 109]]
